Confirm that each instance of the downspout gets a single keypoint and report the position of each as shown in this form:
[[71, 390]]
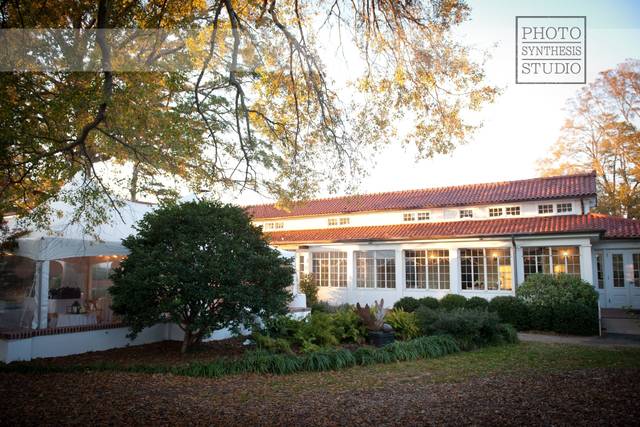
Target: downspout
[[515, 262]]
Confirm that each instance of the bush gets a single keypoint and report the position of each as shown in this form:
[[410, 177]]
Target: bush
[[408, 304], [562, 303], [348, 326], [477, 303], [320, 307], [272, 345], [470, 328], [452, 301], [309, 287], [429, 302], [316, 331], [403, 323], [511, 310], [546, 289], [281, 327]]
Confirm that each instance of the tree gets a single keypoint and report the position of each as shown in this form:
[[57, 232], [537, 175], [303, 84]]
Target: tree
[[601, 134], [254, 108], [200, 265]]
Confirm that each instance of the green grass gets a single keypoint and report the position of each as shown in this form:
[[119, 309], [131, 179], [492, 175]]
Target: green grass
[[514, 359]]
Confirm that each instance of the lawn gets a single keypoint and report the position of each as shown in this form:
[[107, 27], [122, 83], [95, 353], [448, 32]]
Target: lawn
[[530, 383]]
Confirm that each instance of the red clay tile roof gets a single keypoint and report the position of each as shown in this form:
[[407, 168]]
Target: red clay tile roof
[[557, 187], [610, 227]]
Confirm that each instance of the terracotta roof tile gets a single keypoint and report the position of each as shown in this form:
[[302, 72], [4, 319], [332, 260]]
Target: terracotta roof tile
[[557, 187], [611, 227]]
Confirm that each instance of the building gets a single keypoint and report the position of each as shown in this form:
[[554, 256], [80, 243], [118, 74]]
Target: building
[[474, 240]]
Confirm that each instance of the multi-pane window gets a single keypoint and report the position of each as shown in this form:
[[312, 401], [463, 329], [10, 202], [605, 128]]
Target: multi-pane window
[[344, 221], [426, 269], [636, 270], [545, 209], [512, 210], [564, 207], [551, 260], [301, 267], [278, 225], [423, 216], [332, 222], [409, 217], [617, 265], [330, 268], [485, 269], [599, 271], [466, 213], [566, 260], [495, 211], [375, 269]]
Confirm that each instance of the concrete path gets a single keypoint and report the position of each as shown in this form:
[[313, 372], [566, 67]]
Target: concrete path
[[607, 341]]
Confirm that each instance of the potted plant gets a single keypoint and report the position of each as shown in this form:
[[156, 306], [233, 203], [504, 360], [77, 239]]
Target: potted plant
[[378, 333]]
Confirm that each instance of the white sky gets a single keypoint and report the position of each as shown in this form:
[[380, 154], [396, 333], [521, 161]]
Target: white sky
[[524, 122]]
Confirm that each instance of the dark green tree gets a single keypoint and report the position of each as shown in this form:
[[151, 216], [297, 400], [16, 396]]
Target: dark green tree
[[200, 265]]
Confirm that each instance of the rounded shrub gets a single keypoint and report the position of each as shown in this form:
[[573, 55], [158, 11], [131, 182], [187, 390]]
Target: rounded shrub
[[453, 301], [511, 310], [408, 304], [429, 302], [476, 303], [576, 319]]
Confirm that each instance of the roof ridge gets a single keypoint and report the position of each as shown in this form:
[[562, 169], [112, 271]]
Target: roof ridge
[[448, 187]]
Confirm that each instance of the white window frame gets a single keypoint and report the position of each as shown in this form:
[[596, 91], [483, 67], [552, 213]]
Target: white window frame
[[380, 260], [486, 255], [548, 252], [426, 216], [332, 222], [496, 212], [512, 211], [340, 257], [345, 221], [466, 213], [546, 207], [564, 207], [441, 265], [408, 217]]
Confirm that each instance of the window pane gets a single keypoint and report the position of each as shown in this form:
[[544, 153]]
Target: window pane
[[472, 269], [415, 269], [513, 210], [566, 260], [618, 270], [636, 270], [536, 260], [330, 268], [599, 271], [544, 209]]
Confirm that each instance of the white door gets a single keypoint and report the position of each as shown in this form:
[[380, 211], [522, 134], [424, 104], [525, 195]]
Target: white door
[[623, 279]]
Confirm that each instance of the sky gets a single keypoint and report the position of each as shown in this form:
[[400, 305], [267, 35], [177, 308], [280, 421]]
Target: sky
[[524, 122]]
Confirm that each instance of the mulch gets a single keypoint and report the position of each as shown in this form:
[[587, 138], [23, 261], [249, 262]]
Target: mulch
[[581, 397], [159, 353]]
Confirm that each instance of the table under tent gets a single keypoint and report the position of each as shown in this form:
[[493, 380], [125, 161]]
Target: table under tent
[[60, 277]]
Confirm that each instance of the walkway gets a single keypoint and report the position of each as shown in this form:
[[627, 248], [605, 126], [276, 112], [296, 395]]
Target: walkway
[[610, 341]]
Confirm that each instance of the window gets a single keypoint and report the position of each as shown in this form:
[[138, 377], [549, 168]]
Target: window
[[375, 269], [332, 222], [599, 271], [278, 225], [408, 217], [300, 267], [551, 260], [466, 213], [513, 210], [423, 216], [636, 270], [330, 269], [545, 209], [485, 269], [268, 226], [426, 269], [618, 270], [495, 211], [564, 207], [344, 221]]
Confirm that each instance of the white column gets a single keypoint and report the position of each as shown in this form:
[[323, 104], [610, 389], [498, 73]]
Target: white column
[[351, 276], [399, 274], [519, 263], [586, 264], [454, 271], [41, 296]]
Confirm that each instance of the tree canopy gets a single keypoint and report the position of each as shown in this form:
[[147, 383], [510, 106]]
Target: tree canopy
[[253, 107], [202, 266], [601, 133]]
